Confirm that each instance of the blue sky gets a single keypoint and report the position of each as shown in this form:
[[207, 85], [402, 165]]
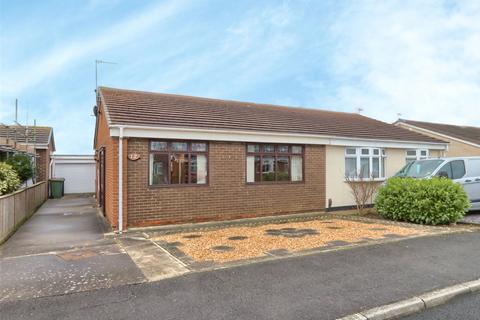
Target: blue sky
[[417, 58]]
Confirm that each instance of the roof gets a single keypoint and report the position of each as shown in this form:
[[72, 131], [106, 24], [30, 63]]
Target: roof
[[138, 108], [465, 133], [38, 135]]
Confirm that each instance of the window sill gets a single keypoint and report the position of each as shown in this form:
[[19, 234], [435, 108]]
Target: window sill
[[185, 185], [272, 183], [366, 180]]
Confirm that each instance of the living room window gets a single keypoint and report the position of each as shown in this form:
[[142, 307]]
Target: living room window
[[365, 162], [274, 163], [178, 163]]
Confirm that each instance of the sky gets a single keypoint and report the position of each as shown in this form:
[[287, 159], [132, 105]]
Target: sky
[[419, 59]]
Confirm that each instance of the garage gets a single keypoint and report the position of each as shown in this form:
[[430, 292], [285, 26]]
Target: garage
[[77, 170]]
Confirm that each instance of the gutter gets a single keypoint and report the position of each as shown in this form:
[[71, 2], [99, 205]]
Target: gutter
[[120, 180], [264, 136]]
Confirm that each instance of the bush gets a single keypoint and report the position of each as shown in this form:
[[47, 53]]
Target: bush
[[424, 201], [9, 181], [22, 164]]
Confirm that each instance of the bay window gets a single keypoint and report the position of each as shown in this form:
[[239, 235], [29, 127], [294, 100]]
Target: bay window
[[274, 163], [365, 162], [177, 162]]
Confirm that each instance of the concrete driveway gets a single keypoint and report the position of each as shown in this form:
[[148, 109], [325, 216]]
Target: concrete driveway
[[62, 249]]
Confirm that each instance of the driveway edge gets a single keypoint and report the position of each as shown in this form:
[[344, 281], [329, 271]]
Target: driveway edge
[[416, 304]]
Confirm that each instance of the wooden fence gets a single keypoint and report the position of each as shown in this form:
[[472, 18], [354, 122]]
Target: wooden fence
[[17, 207]]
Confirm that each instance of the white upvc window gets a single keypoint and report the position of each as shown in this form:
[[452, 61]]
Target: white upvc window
[[416, 154], [365, 162]]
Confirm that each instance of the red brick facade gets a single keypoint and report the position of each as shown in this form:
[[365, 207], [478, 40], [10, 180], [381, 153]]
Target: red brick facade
[[227, 196]]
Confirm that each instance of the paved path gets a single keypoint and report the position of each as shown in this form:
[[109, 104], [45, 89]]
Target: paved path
[[320, 286], [62, 249]]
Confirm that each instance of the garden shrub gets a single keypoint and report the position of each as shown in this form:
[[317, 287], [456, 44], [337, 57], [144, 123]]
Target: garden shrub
[[424, 201], [9, 180], [23, 165]]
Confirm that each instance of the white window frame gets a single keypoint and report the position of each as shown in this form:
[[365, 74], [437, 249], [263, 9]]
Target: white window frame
[[358, 155], [418, 155]]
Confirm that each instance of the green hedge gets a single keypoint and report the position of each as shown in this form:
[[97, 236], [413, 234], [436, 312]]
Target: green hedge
[[424, 201], [9, 181]]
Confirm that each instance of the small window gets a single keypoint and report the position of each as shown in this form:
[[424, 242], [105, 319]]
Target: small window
[[199, 147], [458, 169], [416, 154], [268, 148], [253, 148], [179, 146], [158, 145], [351, 151], [283, 149], [297, 149], [445, 171], [365, 151]]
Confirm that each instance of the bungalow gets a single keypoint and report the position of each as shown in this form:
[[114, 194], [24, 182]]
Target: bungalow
[[164, 158], [463, 140], [37, 141]]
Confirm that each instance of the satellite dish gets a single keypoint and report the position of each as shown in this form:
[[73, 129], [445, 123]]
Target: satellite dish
[[95, 110]]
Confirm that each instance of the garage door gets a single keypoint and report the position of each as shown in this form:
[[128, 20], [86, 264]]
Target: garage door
[[79, 177]]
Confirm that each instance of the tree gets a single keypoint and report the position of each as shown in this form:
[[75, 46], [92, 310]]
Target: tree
[[9, 181], [22, 164]]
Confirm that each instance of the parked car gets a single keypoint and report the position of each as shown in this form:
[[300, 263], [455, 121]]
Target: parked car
[[462, 170]]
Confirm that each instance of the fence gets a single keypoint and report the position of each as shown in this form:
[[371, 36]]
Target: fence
[[17, 207]]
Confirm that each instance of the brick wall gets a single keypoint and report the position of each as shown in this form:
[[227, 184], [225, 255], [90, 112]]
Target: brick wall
[[41, 164], [227, 196], [110, 144]]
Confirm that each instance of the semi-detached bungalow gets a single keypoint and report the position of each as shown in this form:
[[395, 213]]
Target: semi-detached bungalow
[[164, 158]]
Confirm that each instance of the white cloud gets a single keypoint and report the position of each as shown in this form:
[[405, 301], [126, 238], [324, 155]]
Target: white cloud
[[417, 59]]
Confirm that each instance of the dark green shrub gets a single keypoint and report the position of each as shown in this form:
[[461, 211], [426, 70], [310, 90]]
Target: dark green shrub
[[424, 201], [9, 181], [22, 164]]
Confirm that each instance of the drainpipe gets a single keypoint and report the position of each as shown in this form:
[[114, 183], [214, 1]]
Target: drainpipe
[[120, 180]]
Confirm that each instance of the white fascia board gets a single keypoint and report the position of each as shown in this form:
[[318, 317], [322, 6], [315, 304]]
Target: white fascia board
[[409, 126], [262, 136]]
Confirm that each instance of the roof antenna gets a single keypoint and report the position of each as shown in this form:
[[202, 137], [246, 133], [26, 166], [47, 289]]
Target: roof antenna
[[97, 62], [16, 110], [399, 115], [359, 110]]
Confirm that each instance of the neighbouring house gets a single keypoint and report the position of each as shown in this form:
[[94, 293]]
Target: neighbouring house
[[187, 159], [37, 141], [463, 140]]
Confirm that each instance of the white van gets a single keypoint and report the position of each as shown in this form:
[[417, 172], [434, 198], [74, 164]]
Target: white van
[[462, 170]]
